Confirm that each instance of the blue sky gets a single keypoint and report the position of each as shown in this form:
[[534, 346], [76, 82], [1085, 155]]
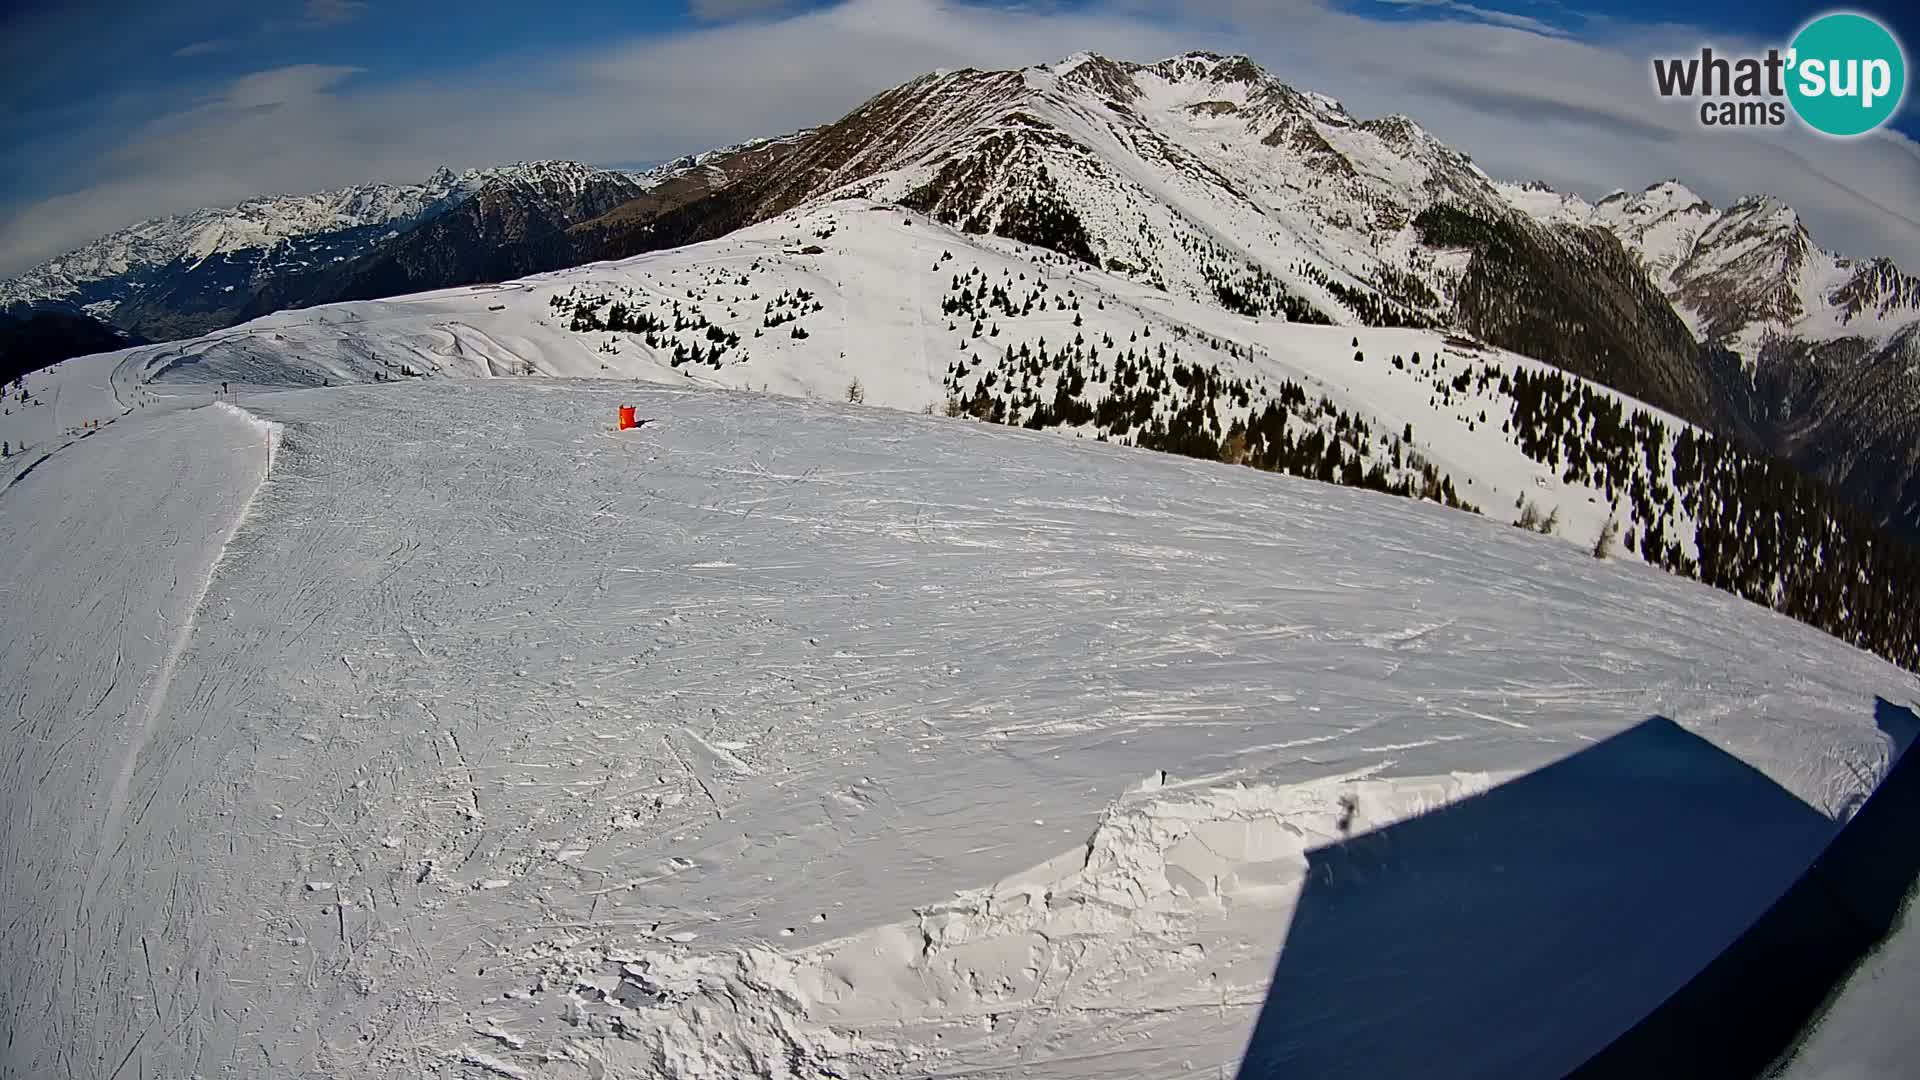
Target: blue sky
[[121, 111]]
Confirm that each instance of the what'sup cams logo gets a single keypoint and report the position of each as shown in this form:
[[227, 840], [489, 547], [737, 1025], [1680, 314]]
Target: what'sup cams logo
[[1844, 74]]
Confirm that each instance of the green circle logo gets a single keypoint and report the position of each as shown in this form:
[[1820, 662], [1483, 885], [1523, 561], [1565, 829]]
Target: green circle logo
[[1848, 74]]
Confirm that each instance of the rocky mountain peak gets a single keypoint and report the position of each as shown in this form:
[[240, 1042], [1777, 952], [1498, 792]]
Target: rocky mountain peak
[[1099, 75], [1670, 192], [1211, 68]]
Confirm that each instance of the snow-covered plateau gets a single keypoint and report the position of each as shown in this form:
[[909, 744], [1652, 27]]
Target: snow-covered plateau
[[435, 728]]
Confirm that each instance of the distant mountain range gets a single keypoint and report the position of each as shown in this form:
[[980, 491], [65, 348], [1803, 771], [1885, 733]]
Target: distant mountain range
[[189, 273], [1200, 175]]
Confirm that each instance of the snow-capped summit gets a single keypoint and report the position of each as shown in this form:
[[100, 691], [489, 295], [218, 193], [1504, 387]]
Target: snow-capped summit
[[1200, 173], [1660, 224], [1070, 63], [569, 175], [1544, 203], [1745, 274]]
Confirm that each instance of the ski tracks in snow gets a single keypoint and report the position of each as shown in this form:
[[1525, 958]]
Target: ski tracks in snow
[[500, 746], [154, 698], [124, 534]]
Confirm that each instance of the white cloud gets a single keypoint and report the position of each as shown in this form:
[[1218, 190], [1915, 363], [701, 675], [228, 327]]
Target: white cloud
[[1579, 114], [203, 48]]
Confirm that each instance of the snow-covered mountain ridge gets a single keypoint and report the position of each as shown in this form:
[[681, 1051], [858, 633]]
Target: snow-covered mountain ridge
[[258, 223], [160, 274], [1247, 175], [1204, 178], [1743, 274], [854, 298], [1195, 172], [1201, 173], [1828, 347]]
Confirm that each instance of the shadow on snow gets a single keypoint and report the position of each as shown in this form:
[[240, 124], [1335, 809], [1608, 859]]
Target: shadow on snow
[[1520, 932]]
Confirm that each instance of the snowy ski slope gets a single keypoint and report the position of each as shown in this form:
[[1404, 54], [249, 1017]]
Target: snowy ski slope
[[436, 729], [877, 279]]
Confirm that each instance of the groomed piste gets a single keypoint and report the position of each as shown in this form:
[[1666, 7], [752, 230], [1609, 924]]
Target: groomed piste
[[440, 729]]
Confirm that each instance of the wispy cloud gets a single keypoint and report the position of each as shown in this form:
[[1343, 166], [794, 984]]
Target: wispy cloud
[[722, 10], [1577, 113], [313, 15], [1491, 16], [298, 83], [319, 14], [203, 48]]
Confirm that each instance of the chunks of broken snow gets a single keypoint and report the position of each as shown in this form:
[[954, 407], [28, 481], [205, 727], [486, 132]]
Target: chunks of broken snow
[[1177, 899]]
